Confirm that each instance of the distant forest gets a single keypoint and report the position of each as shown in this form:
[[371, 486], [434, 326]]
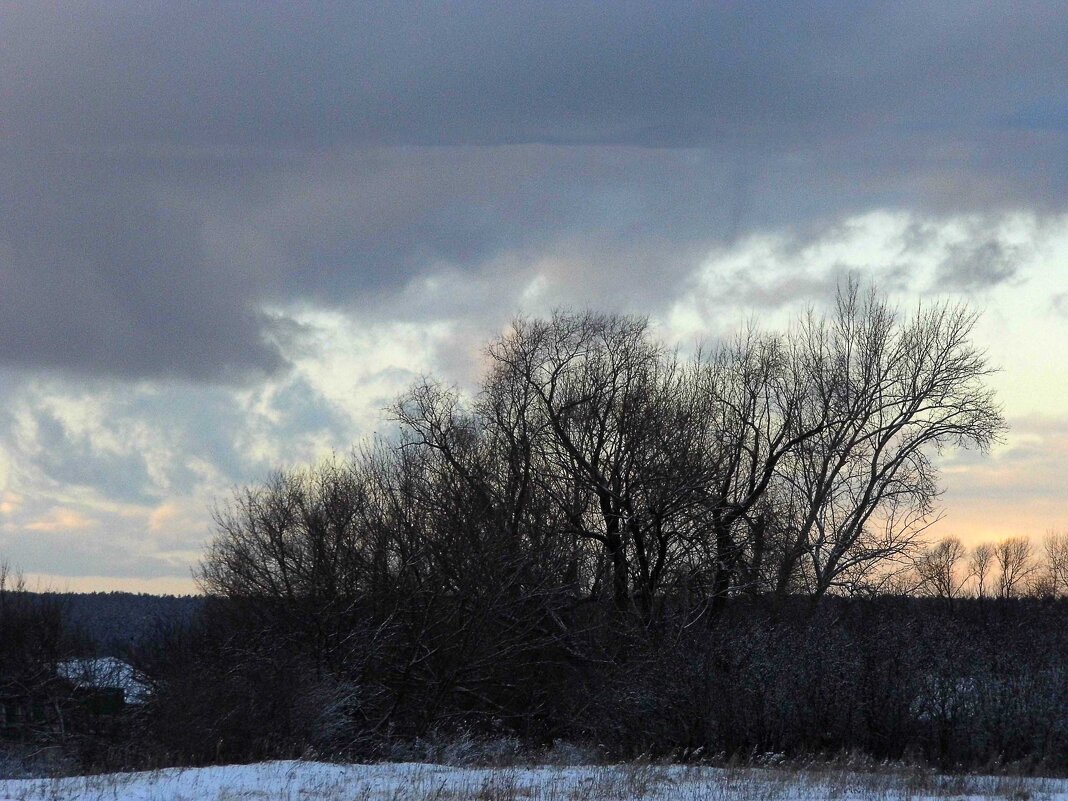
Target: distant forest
[[608, 545], [112, 622]]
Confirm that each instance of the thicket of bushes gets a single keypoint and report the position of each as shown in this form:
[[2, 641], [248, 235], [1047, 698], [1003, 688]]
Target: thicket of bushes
[[968, 683], [974, 683]]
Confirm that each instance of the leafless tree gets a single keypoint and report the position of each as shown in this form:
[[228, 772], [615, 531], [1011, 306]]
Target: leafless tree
[[980, 568], [616, 431], [1016, 563], [883, 394], [1055, 547], [34, 639], [799, 462], [937, 568], [757, 388], [297, 536], [595, 485]]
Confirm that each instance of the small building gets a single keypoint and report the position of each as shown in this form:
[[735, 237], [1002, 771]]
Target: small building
[[78, 695], [105, 683]]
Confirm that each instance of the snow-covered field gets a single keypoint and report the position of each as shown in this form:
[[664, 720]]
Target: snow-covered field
[[316, 781]]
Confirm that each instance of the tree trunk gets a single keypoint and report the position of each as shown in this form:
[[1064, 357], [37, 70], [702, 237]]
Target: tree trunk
[[724, 575]]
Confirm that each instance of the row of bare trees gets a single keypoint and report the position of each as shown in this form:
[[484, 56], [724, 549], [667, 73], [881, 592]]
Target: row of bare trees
[[596, 458], [1014, 567]]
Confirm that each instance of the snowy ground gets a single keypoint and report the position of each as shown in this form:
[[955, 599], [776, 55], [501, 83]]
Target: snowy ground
[[315, 781]]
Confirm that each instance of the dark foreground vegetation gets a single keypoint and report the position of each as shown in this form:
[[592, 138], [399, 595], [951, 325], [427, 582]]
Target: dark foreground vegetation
[[615, 546], [964, 684]]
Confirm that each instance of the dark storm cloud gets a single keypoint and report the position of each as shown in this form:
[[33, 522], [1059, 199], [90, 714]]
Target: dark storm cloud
[[170, 168], [362, 225], [651, 74], [99, 271]]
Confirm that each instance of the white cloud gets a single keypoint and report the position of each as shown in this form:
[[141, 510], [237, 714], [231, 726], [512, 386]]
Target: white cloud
[[140, 463]]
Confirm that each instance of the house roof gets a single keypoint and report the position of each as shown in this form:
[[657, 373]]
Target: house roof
[[105, 672]]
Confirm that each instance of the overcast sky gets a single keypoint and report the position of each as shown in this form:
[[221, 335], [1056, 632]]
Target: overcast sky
[[231, 233]]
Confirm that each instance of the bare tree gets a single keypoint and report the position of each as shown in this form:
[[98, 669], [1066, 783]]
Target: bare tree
[[757, 388], [937, 568], [1015, 558], [297, 537], [1055, 547], [596, 484], [616, 428], [35, 638], [980, 568], [883, 395]]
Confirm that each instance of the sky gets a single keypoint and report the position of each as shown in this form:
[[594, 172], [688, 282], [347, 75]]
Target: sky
[[231, 233]]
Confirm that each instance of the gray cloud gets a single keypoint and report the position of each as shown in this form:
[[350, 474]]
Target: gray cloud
[[100, 273], [978, 265], [180, 181], [481, 73], [142, 444], [71, 460], [169, 169]]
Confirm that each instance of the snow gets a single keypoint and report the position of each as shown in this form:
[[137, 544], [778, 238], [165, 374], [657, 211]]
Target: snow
[[105, 672], [317, 781]]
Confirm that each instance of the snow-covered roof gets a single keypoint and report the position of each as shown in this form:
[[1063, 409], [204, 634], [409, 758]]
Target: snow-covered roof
[[106, 672]]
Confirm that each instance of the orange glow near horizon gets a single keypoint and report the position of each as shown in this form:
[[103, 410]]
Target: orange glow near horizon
[[162, 585]]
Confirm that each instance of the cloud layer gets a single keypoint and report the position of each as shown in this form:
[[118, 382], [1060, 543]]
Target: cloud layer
[[230, 232], [170, 169]]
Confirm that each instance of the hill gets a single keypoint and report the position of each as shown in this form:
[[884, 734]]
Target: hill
[[113, 620]]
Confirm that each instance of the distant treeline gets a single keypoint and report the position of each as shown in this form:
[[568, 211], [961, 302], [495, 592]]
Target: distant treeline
[[111, 622]]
